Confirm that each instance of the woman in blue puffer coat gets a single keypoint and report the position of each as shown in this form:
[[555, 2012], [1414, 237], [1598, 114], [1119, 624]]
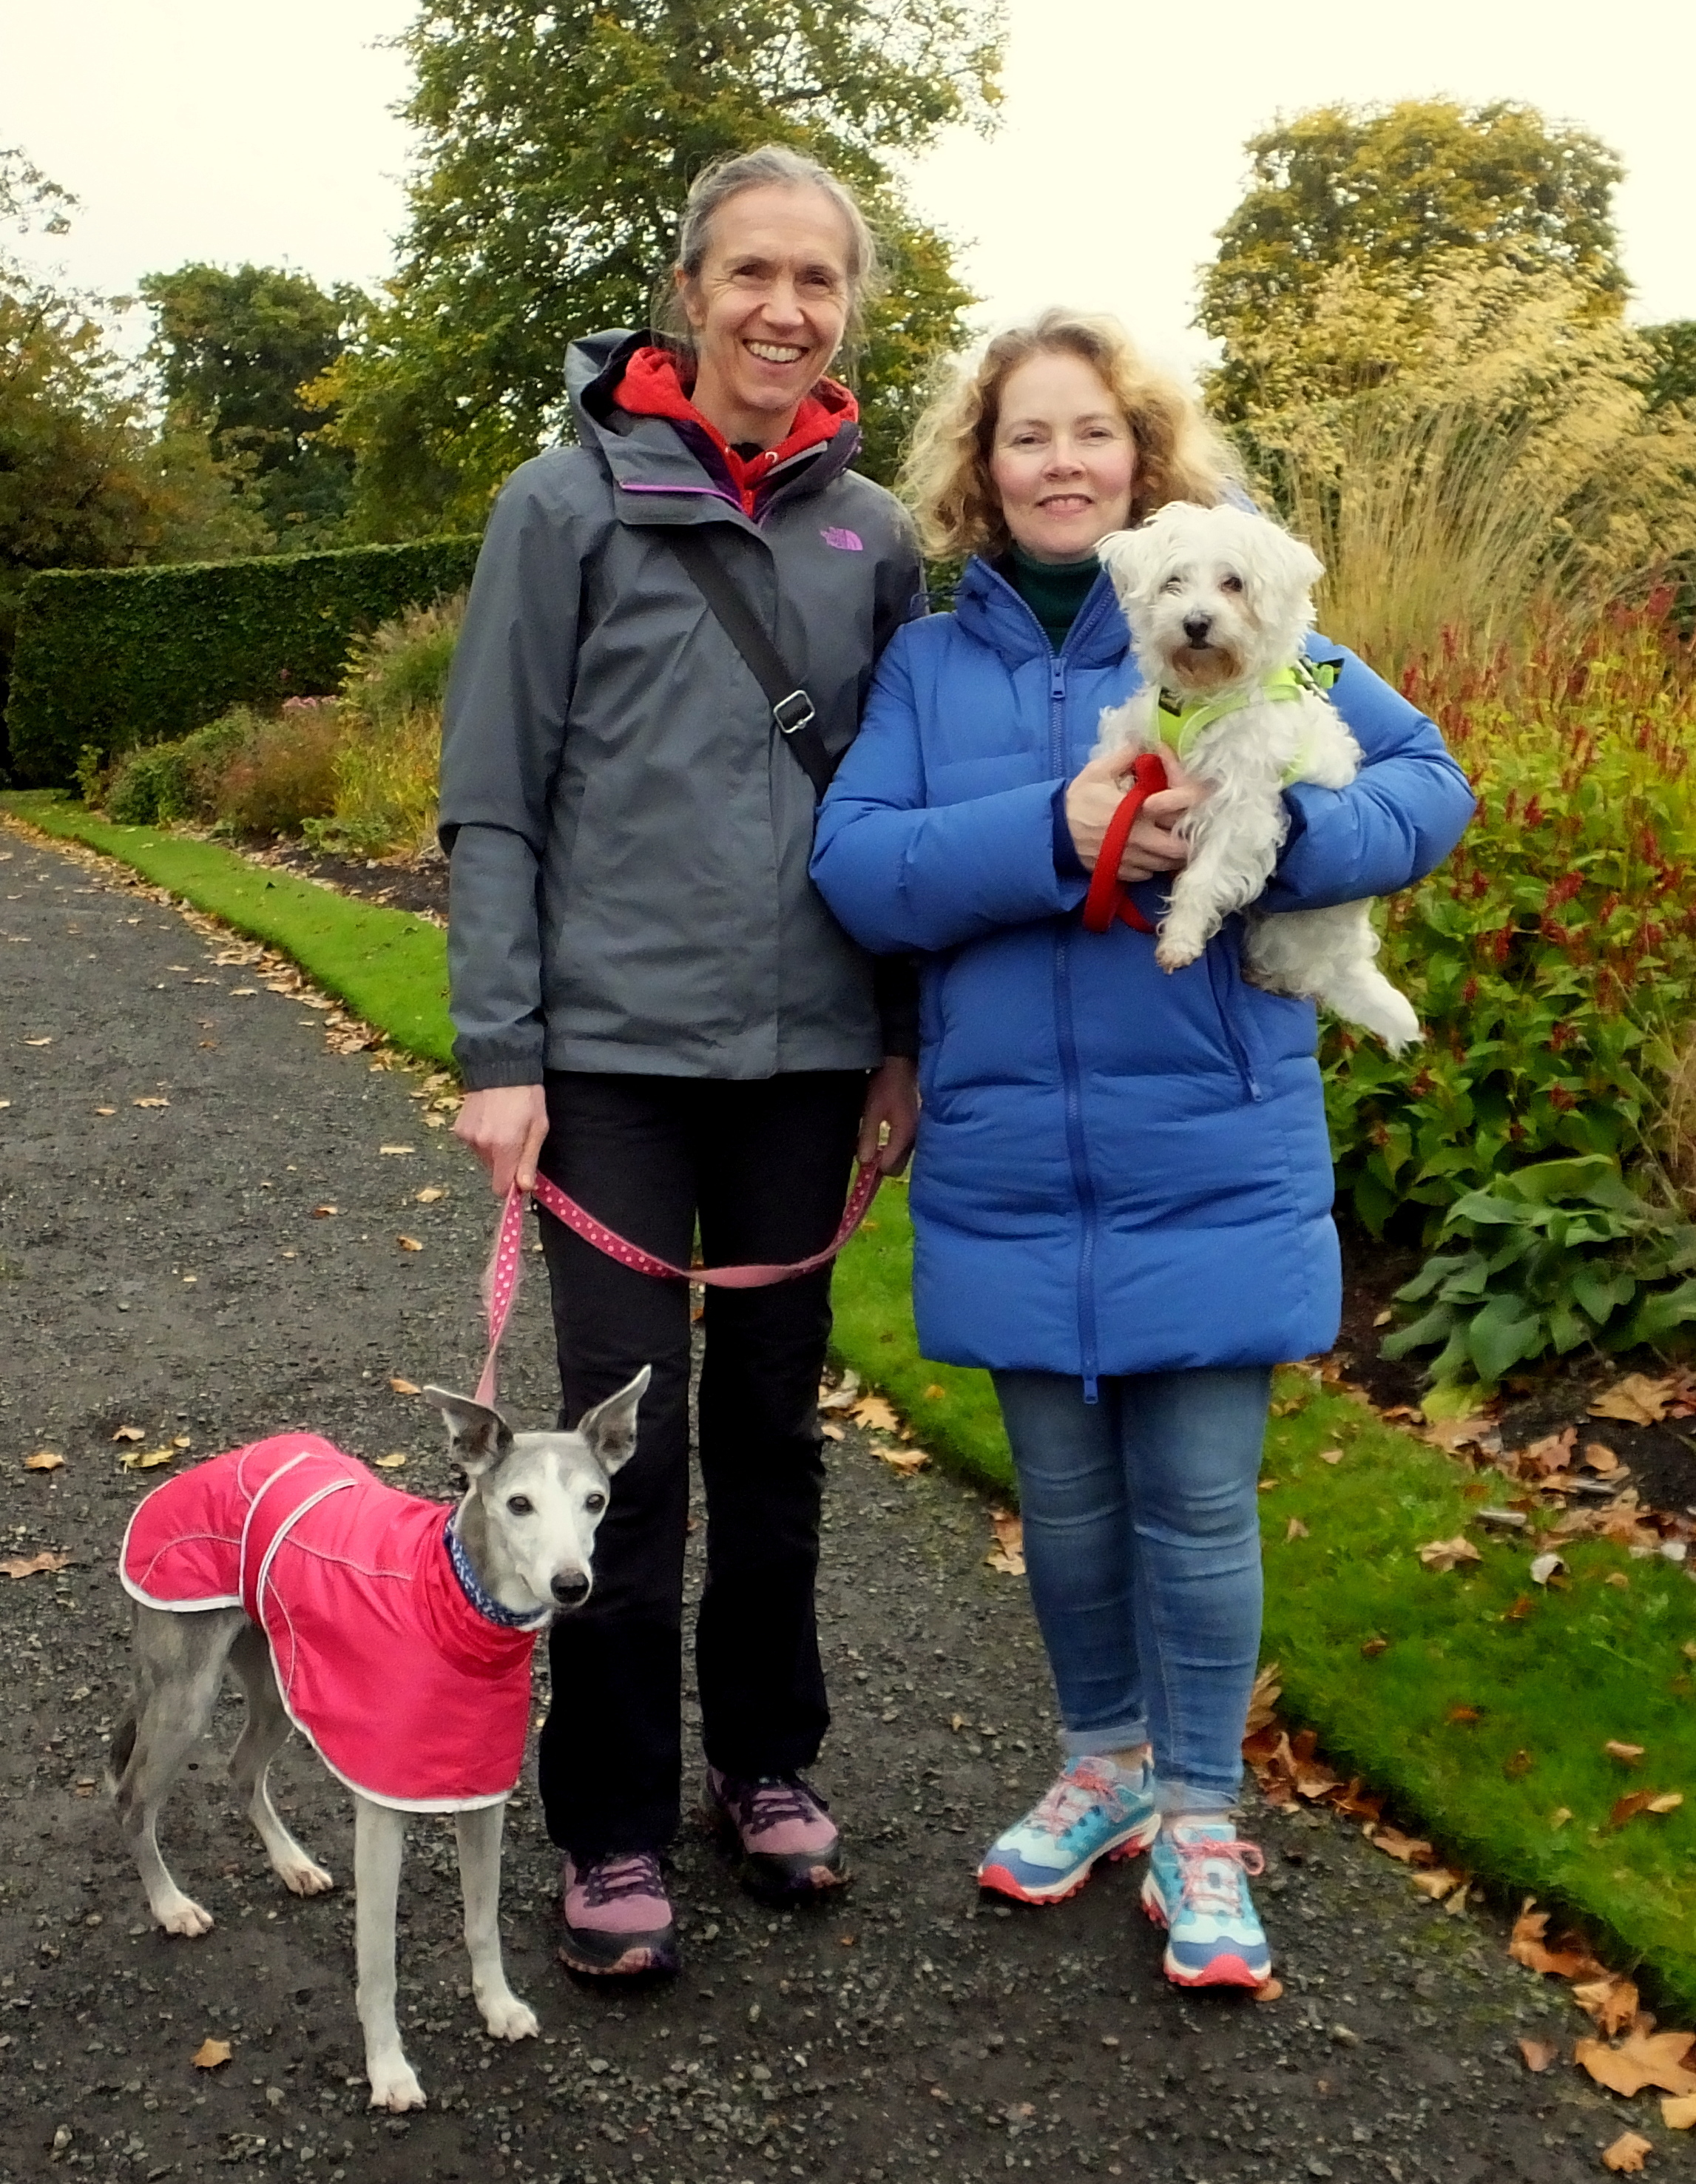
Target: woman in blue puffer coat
[[1121, 1197]]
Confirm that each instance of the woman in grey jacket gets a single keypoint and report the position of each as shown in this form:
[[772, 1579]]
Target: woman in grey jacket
[[655, 1007]]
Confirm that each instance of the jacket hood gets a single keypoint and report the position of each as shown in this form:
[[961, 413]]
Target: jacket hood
[[657, 443], [991, 611]]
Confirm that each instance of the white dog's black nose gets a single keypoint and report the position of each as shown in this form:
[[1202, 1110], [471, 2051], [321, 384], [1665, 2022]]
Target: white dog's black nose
[[1196, 627], [572, 1590]]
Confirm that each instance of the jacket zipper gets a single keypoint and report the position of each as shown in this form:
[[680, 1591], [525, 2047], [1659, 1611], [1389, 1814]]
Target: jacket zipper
[[1082, 1181], [1233, 1038]]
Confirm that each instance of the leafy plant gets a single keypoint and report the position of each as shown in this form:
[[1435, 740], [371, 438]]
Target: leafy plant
[[182, 779], [285, 772], [1555, 1255], [388, 763]]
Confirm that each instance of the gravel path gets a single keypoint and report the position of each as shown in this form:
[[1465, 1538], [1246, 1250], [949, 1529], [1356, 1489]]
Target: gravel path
[[165, 1266]]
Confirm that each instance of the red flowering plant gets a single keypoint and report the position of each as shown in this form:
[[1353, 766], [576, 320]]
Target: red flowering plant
[[1553, 963]]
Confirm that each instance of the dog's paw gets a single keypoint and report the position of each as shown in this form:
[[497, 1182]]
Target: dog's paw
[[394, 2087], [304, 1878], [508, 2019], [1175, 955], [183, 1916]]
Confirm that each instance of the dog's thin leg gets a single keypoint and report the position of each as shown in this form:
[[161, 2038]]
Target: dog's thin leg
[[379, 1841], [480, 1883], [263, 1734], [179, 1665]]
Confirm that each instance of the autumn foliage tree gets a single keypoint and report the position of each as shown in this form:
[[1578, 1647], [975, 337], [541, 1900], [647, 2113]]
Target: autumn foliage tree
[[558, 147]]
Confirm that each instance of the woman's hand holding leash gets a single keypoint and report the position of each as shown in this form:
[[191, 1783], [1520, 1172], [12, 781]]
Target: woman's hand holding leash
[[1153, 848], [504, 1127], [892, 1100]]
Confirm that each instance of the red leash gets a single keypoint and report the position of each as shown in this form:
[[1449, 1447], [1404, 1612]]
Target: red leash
[[1107, 898], [500, 1276]]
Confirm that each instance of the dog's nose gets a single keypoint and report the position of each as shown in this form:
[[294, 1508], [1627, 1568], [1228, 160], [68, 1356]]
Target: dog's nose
[[572, 1590], [1196, 627]]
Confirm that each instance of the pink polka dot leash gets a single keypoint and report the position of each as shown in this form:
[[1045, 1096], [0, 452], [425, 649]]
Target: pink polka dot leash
[[502, 1275]]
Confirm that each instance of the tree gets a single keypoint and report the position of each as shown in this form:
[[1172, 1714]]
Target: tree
[[557, 148], [233, 351], [1397, 195], [1672, 375]]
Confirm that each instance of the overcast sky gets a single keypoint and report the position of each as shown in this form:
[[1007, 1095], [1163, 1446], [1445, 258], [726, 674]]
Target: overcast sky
[[228, 130]]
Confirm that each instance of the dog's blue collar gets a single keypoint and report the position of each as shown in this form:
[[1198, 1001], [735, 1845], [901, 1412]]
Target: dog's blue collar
[[485, 1604]]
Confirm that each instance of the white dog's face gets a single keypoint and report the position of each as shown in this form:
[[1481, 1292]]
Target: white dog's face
[[1214, 596]]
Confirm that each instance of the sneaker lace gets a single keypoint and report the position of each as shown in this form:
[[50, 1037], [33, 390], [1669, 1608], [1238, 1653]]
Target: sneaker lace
[[1219, 1891], [776, 1798], [636, 1874], [1071, 1797]]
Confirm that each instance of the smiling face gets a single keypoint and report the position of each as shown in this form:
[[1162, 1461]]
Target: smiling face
[[1062, 459], [769, 308]]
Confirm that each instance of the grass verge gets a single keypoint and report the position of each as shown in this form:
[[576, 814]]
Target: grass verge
[[1485, 1717]]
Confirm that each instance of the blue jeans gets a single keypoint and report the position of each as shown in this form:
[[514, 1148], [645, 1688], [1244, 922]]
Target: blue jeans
[[1143, 1541]]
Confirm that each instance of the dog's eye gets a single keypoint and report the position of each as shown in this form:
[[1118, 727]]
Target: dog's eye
[[1230, 583], [594, 1503], [520, 1505], [1173, 584]]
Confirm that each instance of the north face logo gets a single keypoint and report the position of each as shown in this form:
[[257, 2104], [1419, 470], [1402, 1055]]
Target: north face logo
[[846, 542]]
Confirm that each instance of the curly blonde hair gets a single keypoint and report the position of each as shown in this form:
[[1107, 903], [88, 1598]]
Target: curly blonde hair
[[946, 482]]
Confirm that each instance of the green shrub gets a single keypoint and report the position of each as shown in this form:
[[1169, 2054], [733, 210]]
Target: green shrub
[[115, 658], [388, 763], [1552, 960], [176, 780]]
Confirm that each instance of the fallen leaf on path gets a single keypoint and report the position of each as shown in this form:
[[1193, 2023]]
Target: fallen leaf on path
[[1627, 2152], [1638, 1400], [48, 1041], [180, 1440], [409, 1243], [1355, 1803], [875, 1414], [323, 1212], [1477, 1429], [1526, 1946], [1539, 2053], [1678, 2111], [1374, 1647], [1410, 1850], [832, 1432], [1437, 1885], [397, 1148], [1545, 1567], [210, 2053], [44, 1459], [1007, 1555], [31, 1565], [1552, 1453], [1644, 1800], [1263, 1699], [150, 1102], [1644, 2058], [1296, 1530], [1629, 1753], [1270, 1990], [1331, 1455], [98, 1110], [1447, 1554], [428, 1195], [146, 1459], [1612, 2001], [906, 1460], [391, 1463], [1597, 1455], [403, 1387], [128, 1433]]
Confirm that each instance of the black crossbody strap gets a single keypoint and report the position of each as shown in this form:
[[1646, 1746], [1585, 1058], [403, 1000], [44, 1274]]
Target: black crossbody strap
[[791, 709]]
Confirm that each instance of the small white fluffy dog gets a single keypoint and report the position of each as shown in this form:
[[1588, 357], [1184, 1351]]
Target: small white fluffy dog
[[1218, 603]]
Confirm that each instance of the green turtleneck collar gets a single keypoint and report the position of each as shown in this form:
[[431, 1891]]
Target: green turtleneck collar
[[1054, 591]]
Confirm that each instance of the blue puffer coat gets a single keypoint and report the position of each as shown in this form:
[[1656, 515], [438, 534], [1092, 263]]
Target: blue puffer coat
[[1118, 1171]]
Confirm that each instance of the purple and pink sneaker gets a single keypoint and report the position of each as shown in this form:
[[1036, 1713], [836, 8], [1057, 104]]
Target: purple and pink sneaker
[[617, 1915], [779, 1833]]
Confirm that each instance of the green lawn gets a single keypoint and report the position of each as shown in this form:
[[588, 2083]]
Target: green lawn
[[1550, 1687]]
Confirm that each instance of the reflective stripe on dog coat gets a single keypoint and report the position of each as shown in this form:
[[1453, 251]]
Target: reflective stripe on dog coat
[[408, 1694]]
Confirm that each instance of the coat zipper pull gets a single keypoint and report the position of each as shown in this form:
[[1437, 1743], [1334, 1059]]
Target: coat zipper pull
[[1092, 1389]]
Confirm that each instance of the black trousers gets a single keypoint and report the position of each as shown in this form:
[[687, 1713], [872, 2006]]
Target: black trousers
[[764, 1167]]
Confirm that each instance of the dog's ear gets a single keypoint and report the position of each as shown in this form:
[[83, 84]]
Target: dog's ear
[[610, 1427], [479, 1435], [1126, 556]]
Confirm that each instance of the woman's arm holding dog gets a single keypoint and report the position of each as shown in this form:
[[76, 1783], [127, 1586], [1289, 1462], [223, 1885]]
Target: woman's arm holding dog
[[1399, 819]]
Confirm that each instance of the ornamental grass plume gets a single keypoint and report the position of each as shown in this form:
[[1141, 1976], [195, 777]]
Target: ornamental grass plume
[[386, 767]]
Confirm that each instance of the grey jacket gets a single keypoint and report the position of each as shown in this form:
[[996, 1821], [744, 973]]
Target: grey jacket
[[629, 842]]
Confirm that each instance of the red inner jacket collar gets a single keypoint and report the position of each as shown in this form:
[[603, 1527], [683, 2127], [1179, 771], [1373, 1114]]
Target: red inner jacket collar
[[651, 387]]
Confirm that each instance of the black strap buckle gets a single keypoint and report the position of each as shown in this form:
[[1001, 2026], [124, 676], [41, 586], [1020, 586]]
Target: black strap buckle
[[793, 713]]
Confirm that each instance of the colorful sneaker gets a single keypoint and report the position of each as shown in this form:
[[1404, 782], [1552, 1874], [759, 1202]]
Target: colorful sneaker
[[1196, 1888], [779, 1830], [618, 1917], [1096, 1810]]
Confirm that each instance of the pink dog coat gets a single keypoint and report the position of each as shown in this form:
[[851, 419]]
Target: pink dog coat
[[409, 1693]]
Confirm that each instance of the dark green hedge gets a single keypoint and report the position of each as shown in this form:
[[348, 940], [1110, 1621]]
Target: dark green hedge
[[115, 657]]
